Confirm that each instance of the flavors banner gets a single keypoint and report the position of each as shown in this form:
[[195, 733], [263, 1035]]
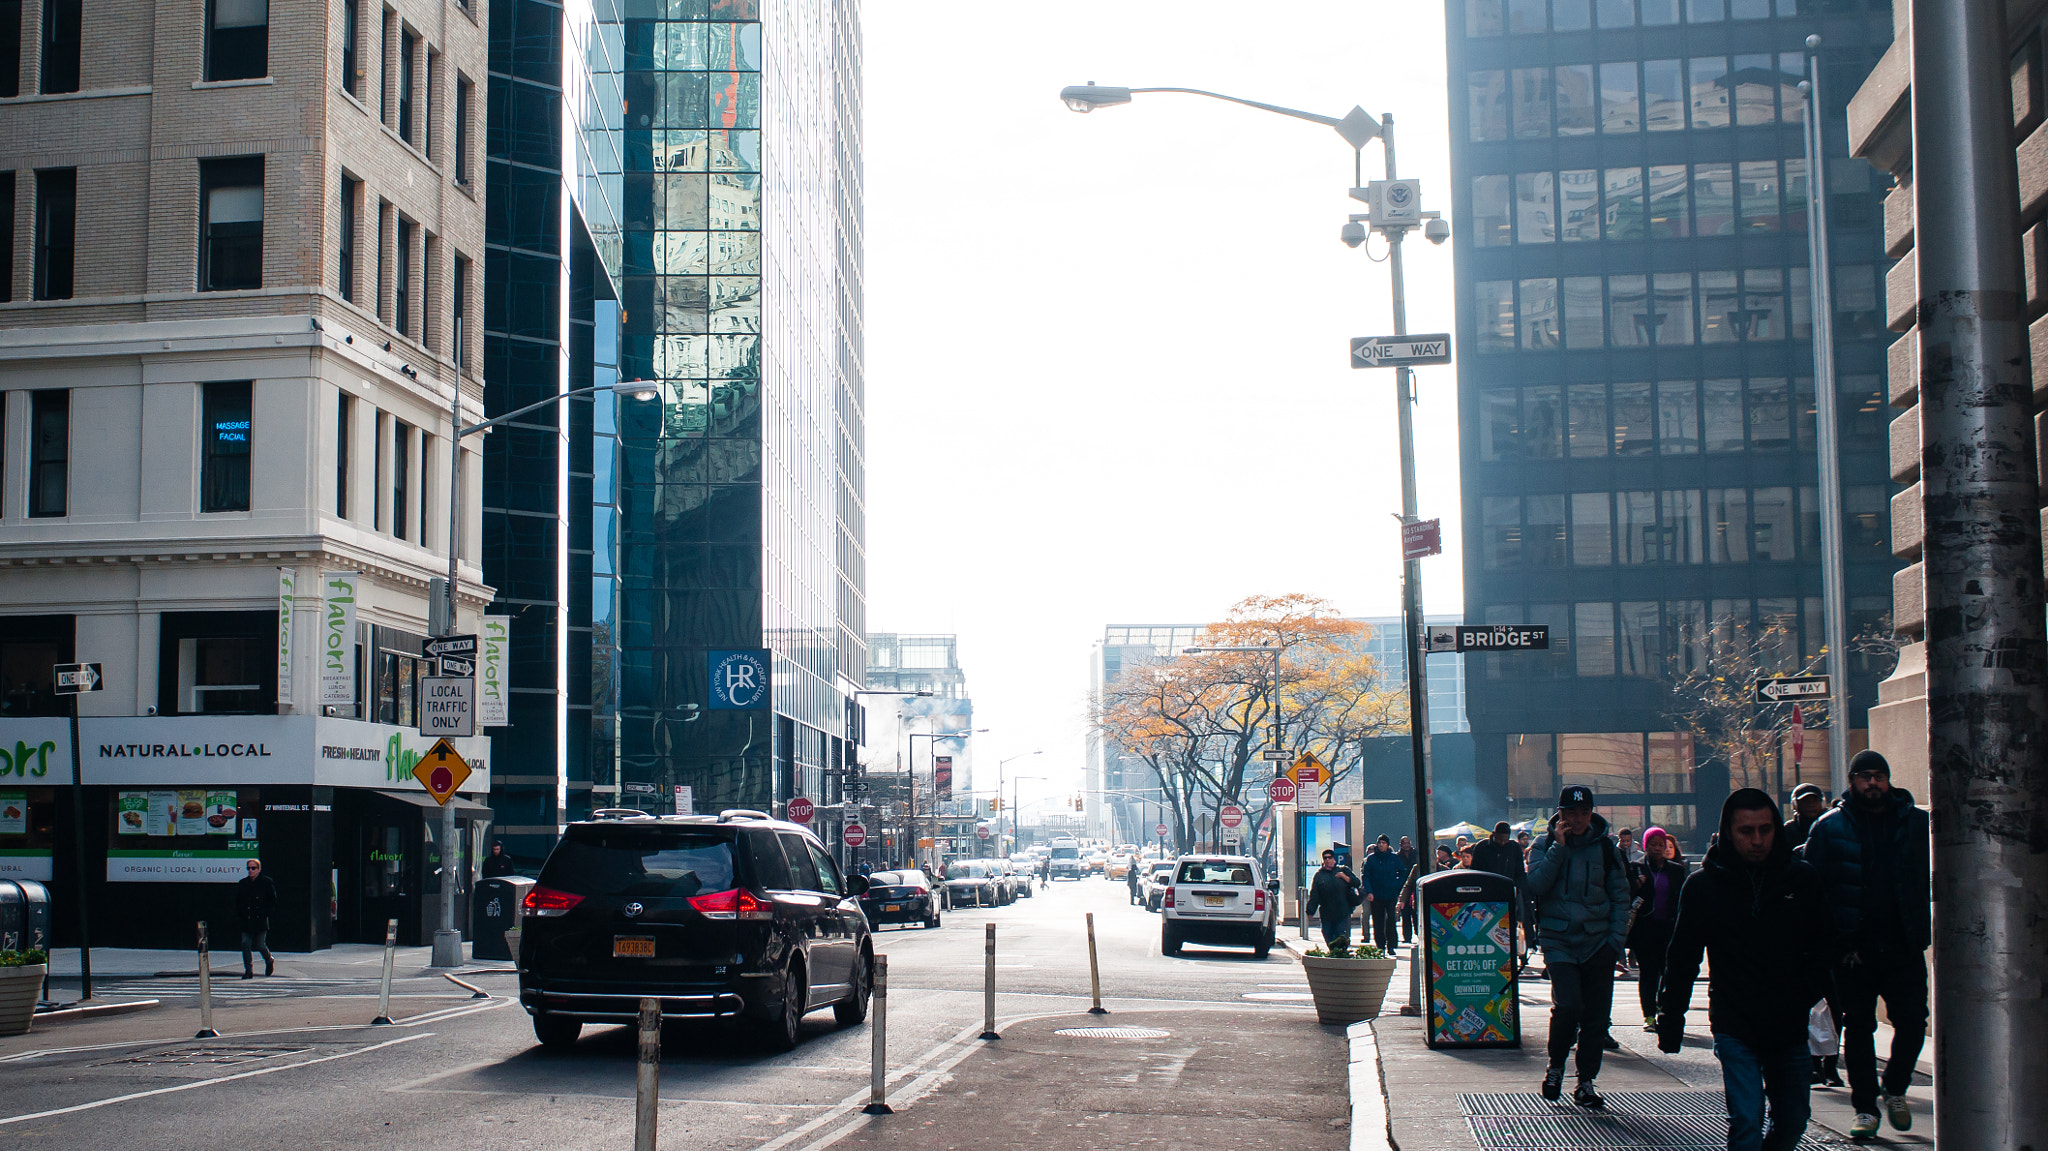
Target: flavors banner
[[494, 648], [287, 587], [1472, 993], [338, 637]]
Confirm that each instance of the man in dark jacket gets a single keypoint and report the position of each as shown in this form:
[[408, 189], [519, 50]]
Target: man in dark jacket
[[1757, 912], [1580, 885], [1384, 878], [255, 899], [1808, 802], [497, 864], [1409, 858], [1872, 852], [1331, 895], [1499, 854]]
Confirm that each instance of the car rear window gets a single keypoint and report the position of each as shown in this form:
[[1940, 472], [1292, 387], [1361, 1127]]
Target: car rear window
[[639, 863], [1199, 871]]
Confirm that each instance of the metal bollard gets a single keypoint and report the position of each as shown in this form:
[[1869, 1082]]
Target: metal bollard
[[988, 996], [647, 1089], [206, 1030], [1094, 971], [878, 1072], [384, 992]]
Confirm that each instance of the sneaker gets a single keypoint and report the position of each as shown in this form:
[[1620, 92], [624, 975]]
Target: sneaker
[[1611, 1043], [1553, 1086], [1897, 1113], [1832, 1072], [1864, 1127], [1650, 1024], [1585, 1096]]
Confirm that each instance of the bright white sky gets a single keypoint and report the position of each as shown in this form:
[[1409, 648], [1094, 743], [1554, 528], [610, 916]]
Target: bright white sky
[[1106, 354]]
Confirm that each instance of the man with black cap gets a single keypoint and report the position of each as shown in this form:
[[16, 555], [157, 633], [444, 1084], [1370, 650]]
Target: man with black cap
[[1871, 849], [1756, 911], [1384, 878], [1808, 802], [1580, 885], [1332, 894], [1499, 854]]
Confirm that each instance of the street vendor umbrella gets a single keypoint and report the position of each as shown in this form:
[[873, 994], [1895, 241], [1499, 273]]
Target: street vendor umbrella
[[1536, 826], [1468, 830]]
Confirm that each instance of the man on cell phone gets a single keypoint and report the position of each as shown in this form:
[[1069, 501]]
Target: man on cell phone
[[1580, 884]]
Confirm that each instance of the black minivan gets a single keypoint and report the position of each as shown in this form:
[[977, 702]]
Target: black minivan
[[738, 916]]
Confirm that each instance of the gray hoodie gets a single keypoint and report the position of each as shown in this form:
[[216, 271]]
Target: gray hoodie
[[1581, 891]]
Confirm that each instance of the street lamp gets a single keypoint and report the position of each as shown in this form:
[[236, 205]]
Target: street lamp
[[911, 773], [447, 940], [999, 791], [1016, 828], [1358, 128]]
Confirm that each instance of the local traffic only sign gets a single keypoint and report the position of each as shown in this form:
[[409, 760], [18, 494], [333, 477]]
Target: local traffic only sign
[[1789, 688], [1499, 637], [1400, 351], [79, 678], [447, 705], [442, 771]]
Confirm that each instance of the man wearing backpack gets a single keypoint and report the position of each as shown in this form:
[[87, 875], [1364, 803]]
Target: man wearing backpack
[[1580, 886]]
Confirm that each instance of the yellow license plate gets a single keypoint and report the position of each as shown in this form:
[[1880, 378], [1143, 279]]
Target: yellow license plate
[[1213, 900], [892, 907], [632, 946]]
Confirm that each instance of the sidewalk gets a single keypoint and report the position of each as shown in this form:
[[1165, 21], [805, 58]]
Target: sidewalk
[[342, 961], [1488, 1099]]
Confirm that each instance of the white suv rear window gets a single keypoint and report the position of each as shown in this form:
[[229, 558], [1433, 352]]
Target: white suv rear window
[[1198, 871]]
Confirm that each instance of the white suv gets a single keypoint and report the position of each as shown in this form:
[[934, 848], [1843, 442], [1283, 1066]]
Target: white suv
[[1222, 899]]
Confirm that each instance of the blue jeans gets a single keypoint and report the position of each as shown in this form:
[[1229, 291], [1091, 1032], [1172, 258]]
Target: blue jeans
[[1752, 1073]]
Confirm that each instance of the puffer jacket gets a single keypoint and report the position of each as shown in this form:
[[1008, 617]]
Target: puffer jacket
[[1580, 887], [1835, 850]]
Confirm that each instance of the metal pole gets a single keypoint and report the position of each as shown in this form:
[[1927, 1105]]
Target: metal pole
[[1987, 657], [1094, 971], [1826, 402], [384, 989], [454, 493], [988, 994], [647, 1079], [878, 1064], [448, 940], [78, 858], [206, 1030]]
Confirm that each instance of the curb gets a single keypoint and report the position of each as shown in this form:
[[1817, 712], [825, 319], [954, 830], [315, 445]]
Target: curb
[[95, 1009], [1371, 1129]]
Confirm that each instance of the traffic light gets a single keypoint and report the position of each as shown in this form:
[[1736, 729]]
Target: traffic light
[[995, 805]]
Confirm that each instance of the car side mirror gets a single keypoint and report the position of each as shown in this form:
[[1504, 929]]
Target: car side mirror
[[858, 885], [1272, 885]]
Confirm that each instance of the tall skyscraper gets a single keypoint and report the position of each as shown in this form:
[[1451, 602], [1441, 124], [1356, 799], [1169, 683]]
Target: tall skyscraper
[[1635, 377]]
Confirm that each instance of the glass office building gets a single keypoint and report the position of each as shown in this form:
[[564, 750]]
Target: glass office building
[[1635, 375]]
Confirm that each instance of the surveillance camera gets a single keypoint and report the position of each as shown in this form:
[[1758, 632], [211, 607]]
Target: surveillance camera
[[1437, 231], [151, 710], [1353, 234]]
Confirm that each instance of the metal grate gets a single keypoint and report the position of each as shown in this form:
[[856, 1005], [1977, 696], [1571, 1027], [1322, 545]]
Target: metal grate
[[204, 1056], [1112, 1033], [1646, 1119]]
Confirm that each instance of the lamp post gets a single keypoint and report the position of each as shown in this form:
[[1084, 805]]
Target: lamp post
[[1358, 128], [447, 939], [1017, 829], [912, 774], [999, 792]]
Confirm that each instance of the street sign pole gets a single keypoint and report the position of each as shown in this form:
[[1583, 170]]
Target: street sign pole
[[74, 680]]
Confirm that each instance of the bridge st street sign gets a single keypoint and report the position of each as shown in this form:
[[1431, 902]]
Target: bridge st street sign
[[1496, 637]]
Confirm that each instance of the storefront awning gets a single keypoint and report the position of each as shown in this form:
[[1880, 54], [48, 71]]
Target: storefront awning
[[422, 799]]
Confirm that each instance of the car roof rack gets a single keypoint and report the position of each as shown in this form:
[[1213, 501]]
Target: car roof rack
[[732, 813], [620, 813]]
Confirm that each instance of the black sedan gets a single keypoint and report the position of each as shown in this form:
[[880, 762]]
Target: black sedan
[[900, 897]]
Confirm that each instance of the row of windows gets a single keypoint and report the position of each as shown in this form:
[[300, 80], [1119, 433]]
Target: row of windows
[[1668, 309], [1629, 96], [1661, 202], [1649, 639], [405, 464], [56, 232], [1522, 17], [223, 450], [410, 95], [407, 294], [1737, 525], [1556, 421], [237, 43]]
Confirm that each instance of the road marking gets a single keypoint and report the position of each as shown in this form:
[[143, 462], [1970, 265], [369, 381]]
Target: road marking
[[24, 1056], [210, 1082], [1277, 996], [446, 1013]]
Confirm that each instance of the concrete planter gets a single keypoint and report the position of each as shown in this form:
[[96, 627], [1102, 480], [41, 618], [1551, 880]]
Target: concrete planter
[[20, 987], [1347, 990]]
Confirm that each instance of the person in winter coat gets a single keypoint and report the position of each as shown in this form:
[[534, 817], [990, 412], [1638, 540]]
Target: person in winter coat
[[497, 864], [1657, 881], [1384, 878], [1409, 858], [1809, 802], [1580, 885], [1758, 914], [255, 899], [1499, 854], [1872, 852], [1331, 895]]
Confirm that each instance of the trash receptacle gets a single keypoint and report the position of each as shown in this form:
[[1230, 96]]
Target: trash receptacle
[[13, 924], [35, 914], [1469, 920], [498, 903]]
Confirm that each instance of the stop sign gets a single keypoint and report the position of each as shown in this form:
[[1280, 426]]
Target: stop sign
[[1160, 831], [801, 810], [1231, 815], [1281, 789], [981, 832], [854, 835], [441, 780]]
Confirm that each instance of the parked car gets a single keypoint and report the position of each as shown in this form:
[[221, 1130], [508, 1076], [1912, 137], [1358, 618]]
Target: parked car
[[1219, 899], [1118, 866], [737, 915], [900, 897], [971, 883], [1096, 862], [1158, 877], [1023, 878]]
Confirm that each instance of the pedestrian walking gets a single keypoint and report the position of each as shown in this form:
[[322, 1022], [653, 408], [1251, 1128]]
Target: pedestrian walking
[[1131, 878], [497, 864], [1331, 896], [1625, 840], [1655, 885], [1499, 854], [1384, 879], [1580, 886], [1409, 858], [255, 899], [1809, 803], [1756, 911], [1871, 850]]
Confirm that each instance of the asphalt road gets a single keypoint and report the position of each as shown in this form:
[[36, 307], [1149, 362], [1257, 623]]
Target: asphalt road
[[301, 1070]]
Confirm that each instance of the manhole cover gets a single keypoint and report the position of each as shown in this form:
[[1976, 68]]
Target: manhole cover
[[1673, 1120], [205, 1056], [1112, 1033]]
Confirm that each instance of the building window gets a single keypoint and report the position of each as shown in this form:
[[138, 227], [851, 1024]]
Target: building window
[[224, 450], [401, 439], [343, 412], [407, 44], [430, 91], [459, 348], [49, 451], [30, 649], [237, 39], [63, 30], [218, 663], [230, 224], [6, 224], [376, 472], [351, 194], [384, 66], [10, 47], [402, 319], [56, 232], [465, 93], [351, 53]]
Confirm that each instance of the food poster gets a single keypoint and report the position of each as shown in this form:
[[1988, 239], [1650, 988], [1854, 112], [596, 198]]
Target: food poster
[[191, 814], [131, 813], [13, 813], [220, 813], [1472, 975], [163, 813]]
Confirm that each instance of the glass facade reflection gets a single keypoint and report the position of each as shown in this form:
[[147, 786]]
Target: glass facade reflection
[[1635, 374]]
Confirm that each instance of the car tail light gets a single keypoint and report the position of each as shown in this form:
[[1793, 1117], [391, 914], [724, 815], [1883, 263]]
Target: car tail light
[[1258, 901], [1168, 901], [734, 904], [546, 902]]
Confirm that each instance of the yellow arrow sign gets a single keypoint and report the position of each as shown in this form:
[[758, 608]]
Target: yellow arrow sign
[[442, 771], [1309, 771]]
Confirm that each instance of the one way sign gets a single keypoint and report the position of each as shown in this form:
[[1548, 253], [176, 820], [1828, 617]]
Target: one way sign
[[1400, 351], [1789, 688], [78, 678]]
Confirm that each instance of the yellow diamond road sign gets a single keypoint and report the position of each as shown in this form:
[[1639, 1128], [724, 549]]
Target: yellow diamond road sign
[[442, 771], [1309, 771]]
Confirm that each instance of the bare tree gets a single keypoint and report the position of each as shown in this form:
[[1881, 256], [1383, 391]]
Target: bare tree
[[1712, 674]]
